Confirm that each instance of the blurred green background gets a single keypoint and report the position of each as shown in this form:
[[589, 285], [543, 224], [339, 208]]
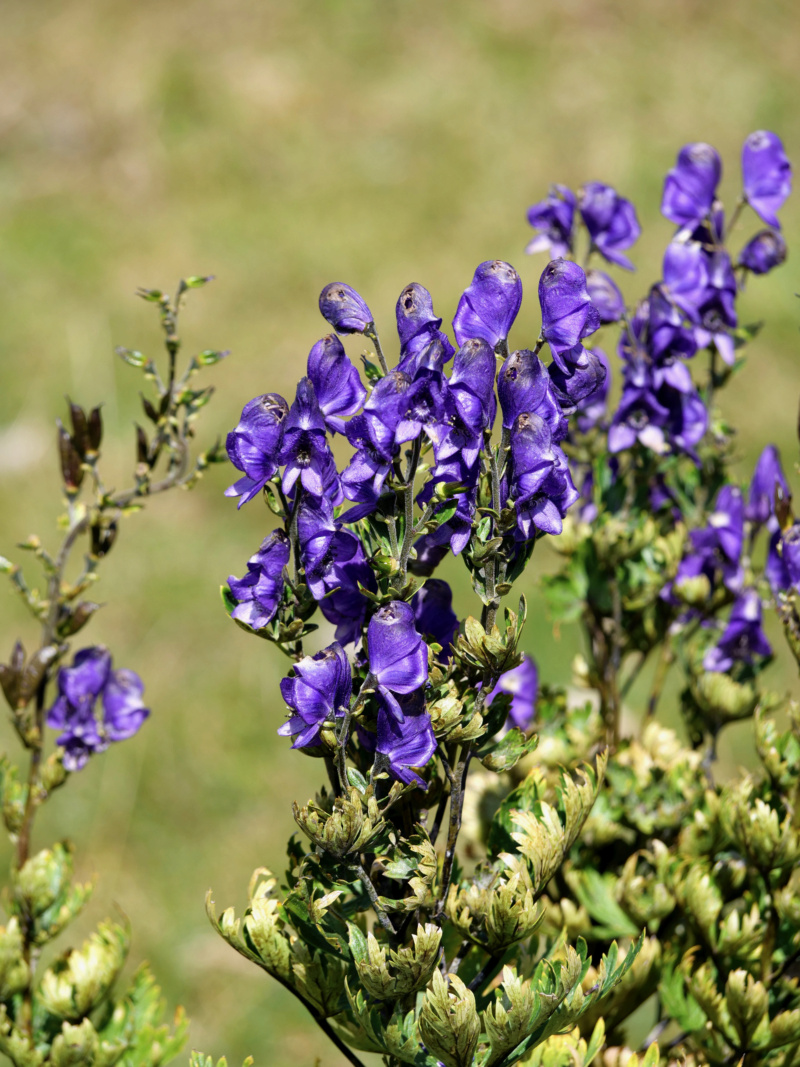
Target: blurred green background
[[280, 146]]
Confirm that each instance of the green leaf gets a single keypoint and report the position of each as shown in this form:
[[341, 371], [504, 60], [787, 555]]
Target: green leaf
[[131, 356], [508, 751], [595, 891]]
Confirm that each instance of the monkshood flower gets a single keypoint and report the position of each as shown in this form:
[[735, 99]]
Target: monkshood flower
[[524, 385], [764, 252], [611, 221], [568, 314], [703, 285], [767, 175], [489, 304], [80, 686], [319, 691], [418, 325], [335, 567], [344, 309], [472, 384], [743, 639], [451, 536], [305, 449], [254, 445], [522, 683], [667, 337], [717, 547], [782, 567], [404, 746], [575, 374], [434, 616], [768, 479], [337, 386], [691, 186], [258, 594], [640, 416], [592, 409], [553, 217], [688, 416], [540, 483], [605, 295], [398, 657]]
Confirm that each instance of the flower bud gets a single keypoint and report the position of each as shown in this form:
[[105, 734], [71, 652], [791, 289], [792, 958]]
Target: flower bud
[[763, 252], [605, 295], [398, 972], [82, 980], [344, 309], [348, 828], [75, 1046], [448, 1022], [71, 465], [14, 973]]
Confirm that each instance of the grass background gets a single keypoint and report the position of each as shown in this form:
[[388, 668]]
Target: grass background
[[280, 146]]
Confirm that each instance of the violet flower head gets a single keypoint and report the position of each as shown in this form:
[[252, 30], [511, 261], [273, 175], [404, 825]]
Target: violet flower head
[[767, 175], [763, 252], [541, 484], [568, 314], [640, 416], [254, 445], [523, 385], [305, 449], [605, 295], [80, 686], [553, 217], [398, 657], [123, 710], [337, 386], [782, 567], [472, 383], [418, 324], [319, 692], [344, 309], [434, 616], [406, 745], [575, 374], [522, 683], [489, 304], [258, 594], [592, 409], [743, 639], [767, 482], [611, 221], [691, 186]]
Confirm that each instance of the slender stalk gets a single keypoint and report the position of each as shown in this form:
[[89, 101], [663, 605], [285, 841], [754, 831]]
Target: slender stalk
[[344, 733], [662, 668], [408, 506], [456, 809], [737, 211], [366, 881], [372, 334], [487, 972]]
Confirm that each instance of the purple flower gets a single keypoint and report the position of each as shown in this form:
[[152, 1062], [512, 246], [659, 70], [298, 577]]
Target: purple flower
[[553, 218], [768, 480], [344, 309], [611, 221], [640, 415], [406, 745], [523, 385], [688, 416], [605, 295], [254, 445], [568, 314], [575, 374], [305, 449], [259, 592], [540, 484], [335, 567], [743, 638], [418, 325], [319, 691], [703, 285], [782, 567], [668, 340], [691, 185], [398, 657], [336, 382], [767, 175], [522, 683], [490, 303], [123, 710], [434, 616], [451, 536], [472, 384], [764, 252], [592, 409], [717, 547], [79, 687]]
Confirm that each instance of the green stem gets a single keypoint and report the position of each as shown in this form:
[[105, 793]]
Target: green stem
[[366, 881], [456, 807], [372, 334], [408, 507]]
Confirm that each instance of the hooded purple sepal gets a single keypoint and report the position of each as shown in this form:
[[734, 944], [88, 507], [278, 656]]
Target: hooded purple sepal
[[434, 616], [767, 482], [605, 295], [743, 639], [524, 385], [541, 484], [522, 683], [611, 221], [319, 691], [259, 592], [568, 314], [305, 449], [338, 388], [553, 217], [398, 657], [123, 709], [766, 174], [418, 325], [691, 186], [254, 445], [344, 309], [592, 408], [763, 252], [576, 374], [782, 566], [489, 304]]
